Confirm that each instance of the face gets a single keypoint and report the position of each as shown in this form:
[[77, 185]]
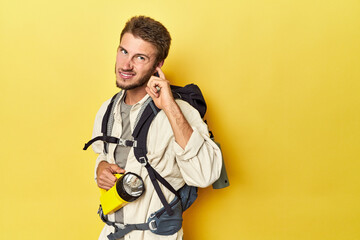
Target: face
[[135, 62]]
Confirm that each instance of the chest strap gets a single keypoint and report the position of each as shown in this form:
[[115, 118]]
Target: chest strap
[[110, 139]]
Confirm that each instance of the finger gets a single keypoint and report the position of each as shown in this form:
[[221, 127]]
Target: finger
[[111, 178], [105, 185], [116, 169], [161, 73], [151, 94], [107, 176], [153, 86]]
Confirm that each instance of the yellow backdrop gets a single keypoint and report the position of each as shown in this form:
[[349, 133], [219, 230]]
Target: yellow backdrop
[[281, 79]]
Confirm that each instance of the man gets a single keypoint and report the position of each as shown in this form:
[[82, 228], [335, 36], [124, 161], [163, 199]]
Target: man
[[178, 143]]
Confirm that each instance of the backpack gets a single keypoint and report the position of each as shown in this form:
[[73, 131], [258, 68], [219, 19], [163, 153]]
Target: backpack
[[168, 219]]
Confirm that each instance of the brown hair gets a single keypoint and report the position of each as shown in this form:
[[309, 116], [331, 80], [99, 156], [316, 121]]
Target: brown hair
[[151, 31]]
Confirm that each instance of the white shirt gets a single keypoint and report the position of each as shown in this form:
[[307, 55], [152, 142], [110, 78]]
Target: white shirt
[[199, 164]]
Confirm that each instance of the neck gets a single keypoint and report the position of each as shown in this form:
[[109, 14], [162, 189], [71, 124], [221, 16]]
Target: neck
[[135, 95]]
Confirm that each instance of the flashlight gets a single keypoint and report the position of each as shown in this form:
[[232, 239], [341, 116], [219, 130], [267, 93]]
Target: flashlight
[[127, 188]]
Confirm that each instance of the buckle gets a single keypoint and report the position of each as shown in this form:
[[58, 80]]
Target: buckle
[[127, 143], [152, 225], [122, 142], [143, 160]]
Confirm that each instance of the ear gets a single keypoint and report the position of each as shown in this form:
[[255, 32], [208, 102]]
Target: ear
[[160, 64]]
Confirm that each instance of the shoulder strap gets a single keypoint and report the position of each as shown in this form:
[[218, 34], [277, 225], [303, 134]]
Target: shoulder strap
[[104, 125], [191, 94], [140, 134]]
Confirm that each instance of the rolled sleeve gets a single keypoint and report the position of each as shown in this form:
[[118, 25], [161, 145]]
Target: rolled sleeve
[[192, 147], [200, 162]]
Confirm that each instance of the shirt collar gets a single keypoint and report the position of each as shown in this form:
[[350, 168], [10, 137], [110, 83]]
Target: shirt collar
[[122, 95]]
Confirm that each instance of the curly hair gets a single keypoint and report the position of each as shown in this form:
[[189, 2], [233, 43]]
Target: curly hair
[[151, 31]]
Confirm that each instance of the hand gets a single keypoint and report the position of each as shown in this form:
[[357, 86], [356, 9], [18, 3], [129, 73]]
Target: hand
[[105, 174], [159, 90]]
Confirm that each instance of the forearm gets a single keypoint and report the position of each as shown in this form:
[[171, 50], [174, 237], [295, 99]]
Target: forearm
[[180, 126], [200, 161]]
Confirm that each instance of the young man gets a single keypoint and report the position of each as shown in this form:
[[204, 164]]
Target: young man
[[178, 143]]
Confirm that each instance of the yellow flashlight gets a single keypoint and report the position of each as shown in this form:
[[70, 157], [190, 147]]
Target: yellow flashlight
[[127, 188]]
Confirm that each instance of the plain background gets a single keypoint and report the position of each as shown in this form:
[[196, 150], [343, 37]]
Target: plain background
[[281, 79]]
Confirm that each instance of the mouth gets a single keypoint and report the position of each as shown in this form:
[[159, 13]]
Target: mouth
[[126, 75]]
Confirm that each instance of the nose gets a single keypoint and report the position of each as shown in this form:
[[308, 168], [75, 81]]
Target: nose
[[127, 64], [124, 63]]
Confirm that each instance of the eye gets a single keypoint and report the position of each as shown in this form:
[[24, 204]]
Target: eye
[[123, 51], [141, 58]]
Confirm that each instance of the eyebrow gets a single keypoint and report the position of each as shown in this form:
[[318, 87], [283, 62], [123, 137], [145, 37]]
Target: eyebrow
[[136, 54]]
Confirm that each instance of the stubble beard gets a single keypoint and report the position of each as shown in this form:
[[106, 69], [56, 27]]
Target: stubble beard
[[140, 83]]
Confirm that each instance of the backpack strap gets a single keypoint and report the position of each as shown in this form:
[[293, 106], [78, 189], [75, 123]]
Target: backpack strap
[[121, 232], [106, 118], [104, 124], [110, 139], [140, 134]]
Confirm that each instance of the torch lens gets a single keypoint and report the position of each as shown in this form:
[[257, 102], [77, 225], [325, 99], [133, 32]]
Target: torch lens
[[133, 185]]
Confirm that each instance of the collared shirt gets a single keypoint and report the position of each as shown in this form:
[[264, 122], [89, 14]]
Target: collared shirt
[[199, 164]]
